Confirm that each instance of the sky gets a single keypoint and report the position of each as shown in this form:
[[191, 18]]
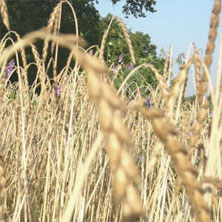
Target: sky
[[176, 23]]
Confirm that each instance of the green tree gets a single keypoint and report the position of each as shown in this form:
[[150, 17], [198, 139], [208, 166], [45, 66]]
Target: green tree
[[115, 45], [137, 8], [26, 16], [117, 54]]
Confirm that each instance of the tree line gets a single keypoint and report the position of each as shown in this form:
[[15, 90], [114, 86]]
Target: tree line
[[26, 16]]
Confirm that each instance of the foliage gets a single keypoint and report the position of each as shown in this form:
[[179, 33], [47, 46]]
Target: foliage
[[145, 52], [137, 8], [24, 18], [27, 16]]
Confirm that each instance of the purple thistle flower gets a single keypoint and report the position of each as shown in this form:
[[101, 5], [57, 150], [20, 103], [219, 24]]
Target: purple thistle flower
[[115, 69], [12, 62], [120, 59], [131, 67], [10, 67], [148, 104], [58, 90]]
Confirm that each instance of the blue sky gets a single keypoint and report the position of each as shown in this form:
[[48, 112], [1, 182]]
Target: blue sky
[[176, 22]]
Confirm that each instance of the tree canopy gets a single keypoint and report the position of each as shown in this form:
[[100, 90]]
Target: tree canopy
[[137, 8], [26, 16], [117, 55]]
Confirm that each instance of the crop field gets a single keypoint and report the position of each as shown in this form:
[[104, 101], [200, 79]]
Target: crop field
[[73, 148]]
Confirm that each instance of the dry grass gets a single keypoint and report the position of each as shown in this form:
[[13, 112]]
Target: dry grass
[[55, 165]]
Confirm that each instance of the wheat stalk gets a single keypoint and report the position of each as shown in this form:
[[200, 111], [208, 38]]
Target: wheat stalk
[[127, 38], [197, 75], [214, 21], [2, 187], [103, 42], [51, 23], [4, 13], [167, 133], [116, 135]]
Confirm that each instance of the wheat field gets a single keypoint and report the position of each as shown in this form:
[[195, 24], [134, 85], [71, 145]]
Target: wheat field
[[82, 151]]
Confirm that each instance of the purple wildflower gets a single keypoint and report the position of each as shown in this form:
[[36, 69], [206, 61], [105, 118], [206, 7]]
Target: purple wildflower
[[58, 90], [10, 67], [120, 59], [148, 104], [115, 69], [131, 67], [211, 113]]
